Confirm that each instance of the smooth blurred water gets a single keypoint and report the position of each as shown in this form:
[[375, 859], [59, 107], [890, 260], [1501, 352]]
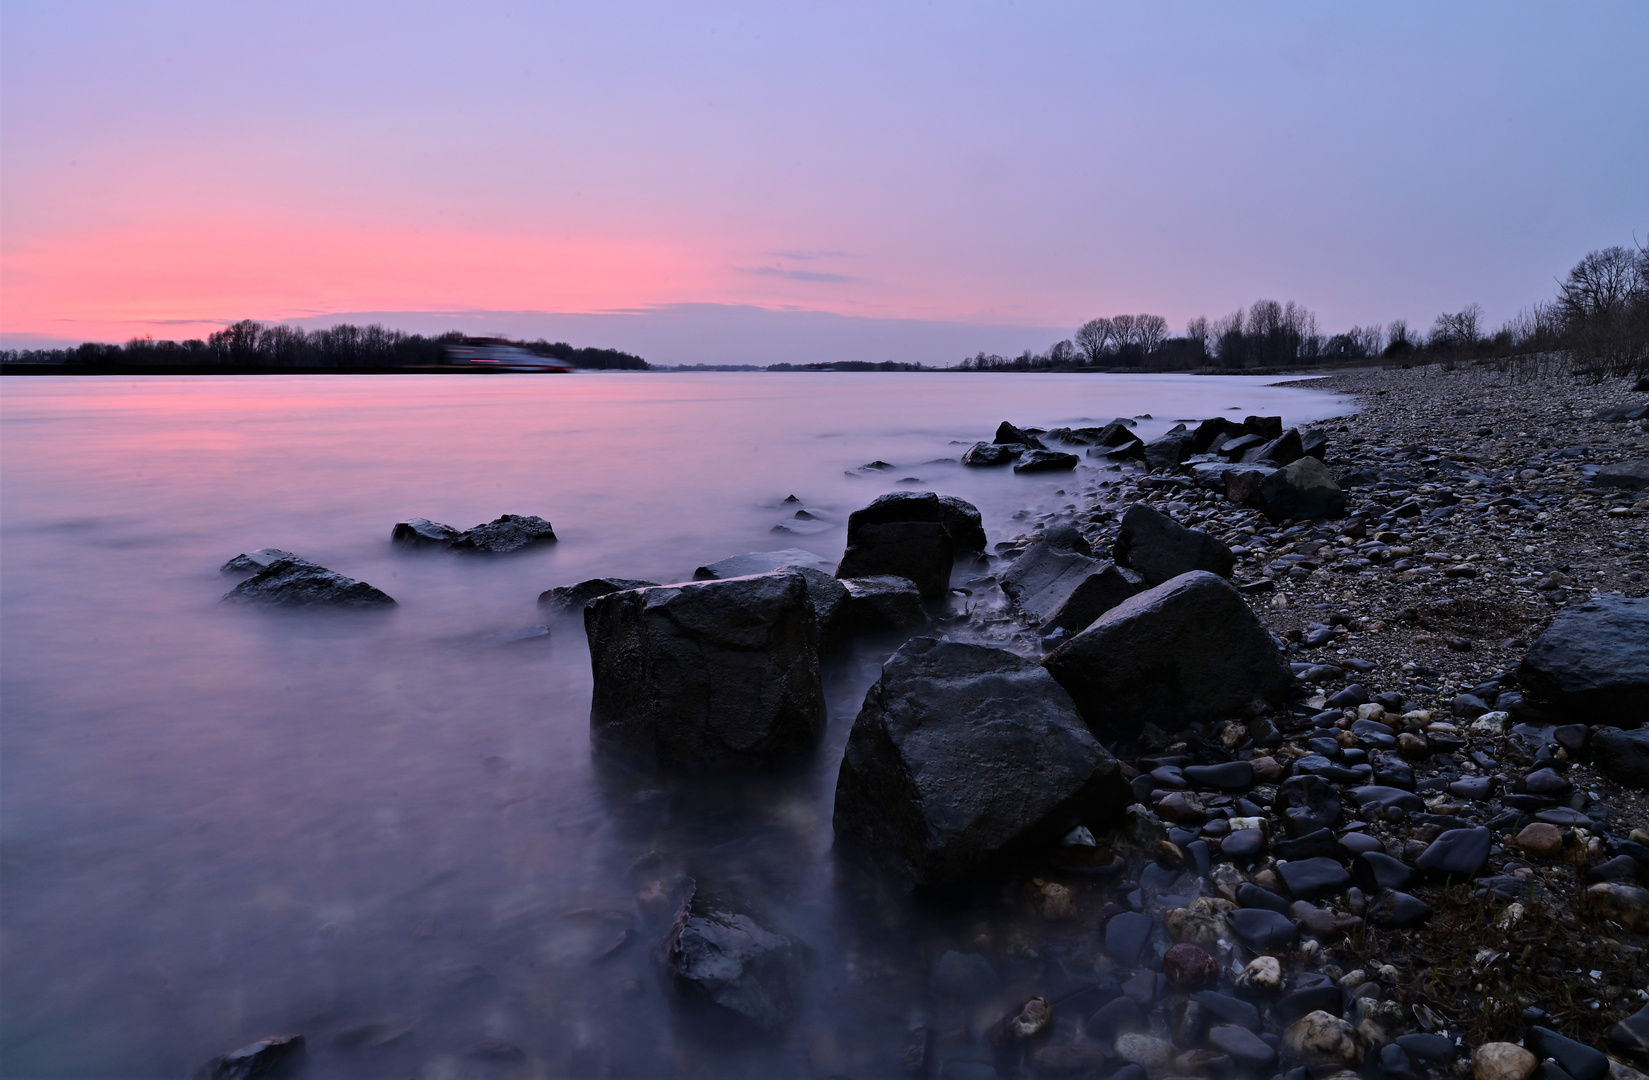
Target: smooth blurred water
[[384, 830]]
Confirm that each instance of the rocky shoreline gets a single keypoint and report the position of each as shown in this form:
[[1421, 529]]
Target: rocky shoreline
[[1473, 516], [1288, 754]]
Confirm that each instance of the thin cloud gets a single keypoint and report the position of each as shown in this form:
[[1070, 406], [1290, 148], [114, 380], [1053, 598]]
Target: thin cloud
[[794, 275], [805, 255]]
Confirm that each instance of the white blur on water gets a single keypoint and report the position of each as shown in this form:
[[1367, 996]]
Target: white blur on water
[[221, 823]]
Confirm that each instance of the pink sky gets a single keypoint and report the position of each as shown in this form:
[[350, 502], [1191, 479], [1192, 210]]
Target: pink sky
[[171, 166]]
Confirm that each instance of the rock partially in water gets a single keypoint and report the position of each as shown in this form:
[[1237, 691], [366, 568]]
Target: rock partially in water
[[984, 454], [1103, 589], [1593, 661], [707, 674], [884, 602], [1188, 650], [510, 532], [266, 1059], [1159, 548], [251, 562], [964, 523], [1048, 572], [1034, 461], [1169, 449], [1302, 491], [300, 583], [574, 597], [904, 534], [720, 956], [422, 532], [762, 562], [1008, 435], [965, 756]]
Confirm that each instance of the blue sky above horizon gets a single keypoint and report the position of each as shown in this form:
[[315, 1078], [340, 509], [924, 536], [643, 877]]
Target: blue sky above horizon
[[170, 166]]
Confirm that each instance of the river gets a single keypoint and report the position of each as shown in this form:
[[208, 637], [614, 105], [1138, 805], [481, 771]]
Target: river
[[385, 831]]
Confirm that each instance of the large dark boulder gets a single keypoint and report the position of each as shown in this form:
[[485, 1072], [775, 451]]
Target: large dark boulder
[[1267, 427], [707, 674], [1188, 650], [1035, 461], [1103, 589], [574, 597], [961, 519], [1302, 490], [904, 534], [1047, 572], [294, 582], [1168, 450], [828, 597], [510, 532], [965, 756], [1161, 548], [1592, 663], [721, 957]]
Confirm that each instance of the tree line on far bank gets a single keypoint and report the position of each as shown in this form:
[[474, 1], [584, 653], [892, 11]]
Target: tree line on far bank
[[1599, 320], [251, 344]]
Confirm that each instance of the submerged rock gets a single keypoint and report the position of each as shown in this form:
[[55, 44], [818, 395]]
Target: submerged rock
[[1593, 661], [511, 532], [722, 957], [984, 454], [1159, 547], [1188, 650], [707, 674], [422, 532], [266, 1059], [300, 583], [251, 562], [761, 562], [574, 597], [964, 756]]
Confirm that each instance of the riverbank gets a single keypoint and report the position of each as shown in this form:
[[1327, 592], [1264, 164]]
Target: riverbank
[[1472, 520]]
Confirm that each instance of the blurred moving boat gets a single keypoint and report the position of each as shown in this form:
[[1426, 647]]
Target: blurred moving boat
[[497, 354]]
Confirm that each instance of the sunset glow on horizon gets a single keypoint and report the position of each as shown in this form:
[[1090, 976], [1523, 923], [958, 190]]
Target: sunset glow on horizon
[[168, 168]]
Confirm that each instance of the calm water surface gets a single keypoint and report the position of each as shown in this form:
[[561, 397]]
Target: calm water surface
[[386, 830]]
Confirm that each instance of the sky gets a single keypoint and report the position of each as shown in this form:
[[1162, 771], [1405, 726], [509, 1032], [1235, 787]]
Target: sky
[[762, 182]]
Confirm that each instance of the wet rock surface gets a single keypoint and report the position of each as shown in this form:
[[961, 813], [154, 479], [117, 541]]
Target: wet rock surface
[[1409, 852], [574, 597], [1593, 661], [707, 674], [1188, 650], [904, 534], [964, 756], [722, 957], [295, 582], [266, 1059]]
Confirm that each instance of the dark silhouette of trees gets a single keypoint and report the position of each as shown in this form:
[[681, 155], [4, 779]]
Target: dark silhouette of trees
[[253, 345]]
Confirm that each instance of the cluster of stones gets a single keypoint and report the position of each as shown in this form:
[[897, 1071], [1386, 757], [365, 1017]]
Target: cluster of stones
[[281, 579]]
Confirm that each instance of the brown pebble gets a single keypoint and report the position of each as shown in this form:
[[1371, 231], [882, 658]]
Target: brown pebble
[[1266, 770], [1414, 747], [1541, 839]]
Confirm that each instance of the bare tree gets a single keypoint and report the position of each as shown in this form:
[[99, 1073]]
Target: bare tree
[[1093, 338], [1123, 331], [1600, 284], [1151, 330], [1062, 353], [1460, 330]]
